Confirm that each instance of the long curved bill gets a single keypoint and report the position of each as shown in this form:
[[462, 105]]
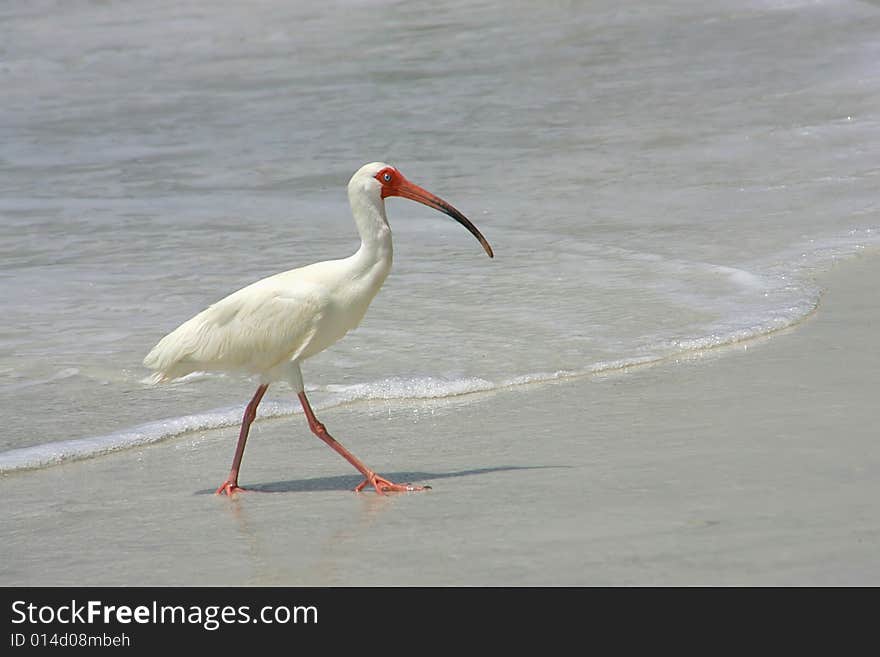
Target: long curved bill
[[409, 190]]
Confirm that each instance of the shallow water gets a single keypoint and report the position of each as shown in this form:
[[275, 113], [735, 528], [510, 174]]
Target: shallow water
[[653, 180]]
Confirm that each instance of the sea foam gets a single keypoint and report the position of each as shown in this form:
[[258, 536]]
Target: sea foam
[[798, 298]]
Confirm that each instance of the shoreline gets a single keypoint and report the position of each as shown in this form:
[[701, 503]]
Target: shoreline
[[707, 468], [52, 454]]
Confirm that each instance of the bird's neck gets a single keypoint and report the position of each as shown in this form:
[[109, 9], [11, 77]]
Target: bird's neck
[[376, 249]]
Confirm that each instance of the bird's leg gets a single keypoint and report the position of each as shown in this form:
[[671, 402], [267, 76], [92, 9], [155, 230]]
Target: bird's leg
[[231, 486], [381, 484]]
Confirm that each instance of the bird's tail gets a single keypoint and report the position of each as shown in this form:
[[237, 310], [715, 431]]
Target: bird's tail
[[156, 378], [165, 360]]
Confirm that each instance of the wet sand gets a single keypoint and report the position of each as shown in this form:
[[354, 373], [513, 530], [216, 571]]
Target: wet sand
[[753, 464]]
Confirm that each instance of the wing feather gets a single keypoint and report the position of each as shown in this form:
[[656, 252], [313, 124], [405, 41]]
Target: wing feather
[[252, 330]]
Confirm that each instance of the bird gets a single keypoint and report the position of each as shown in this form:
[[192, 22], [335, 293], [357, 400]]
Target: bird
[[268, 328]]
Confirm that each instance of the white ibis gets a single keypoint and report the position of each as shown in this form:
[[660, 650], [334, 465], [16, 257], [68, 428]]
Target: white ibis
[[269, 327]]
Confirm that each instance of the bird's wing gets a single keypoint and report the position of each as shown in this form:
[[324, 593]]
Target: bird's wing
[[252, 330]]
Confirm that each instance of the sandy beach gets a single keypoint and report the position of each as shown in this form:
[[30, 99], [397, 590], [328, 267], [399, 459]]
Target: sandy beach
[[756, 464]]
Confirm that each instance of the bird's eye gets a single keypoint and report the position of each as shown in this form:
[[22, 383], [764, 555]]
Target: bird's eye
[[387, 177]]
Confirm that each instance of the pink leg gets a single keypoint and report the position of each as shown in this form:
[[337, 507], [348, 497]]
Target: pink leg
[[231, 486], [381, 484]]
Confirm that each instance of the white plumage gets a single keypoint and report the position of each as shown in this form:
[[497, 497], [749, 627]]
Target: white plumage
[[266, 325], [269, 327]]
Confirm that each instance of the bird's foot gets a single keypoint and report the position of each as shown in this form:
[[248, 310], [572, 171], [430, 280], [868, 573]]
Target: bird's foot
[[383, 486], [230, 488]]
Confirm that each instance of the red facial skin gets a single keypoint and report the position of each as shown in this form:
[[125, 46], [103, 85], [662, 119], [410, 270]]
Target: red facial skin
[[395, 183]]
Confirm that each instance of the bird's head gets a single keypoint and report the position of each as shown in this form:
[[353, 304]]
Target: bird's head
[[380, 180]]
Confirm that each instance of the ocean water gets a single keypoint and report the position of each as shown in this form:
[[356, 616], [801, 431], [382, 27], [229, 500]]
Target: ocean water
[[656, 179]]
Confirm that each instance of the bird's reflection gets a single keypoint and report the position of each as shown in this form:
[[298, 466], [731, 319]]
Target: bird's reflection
[[336, 550]]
